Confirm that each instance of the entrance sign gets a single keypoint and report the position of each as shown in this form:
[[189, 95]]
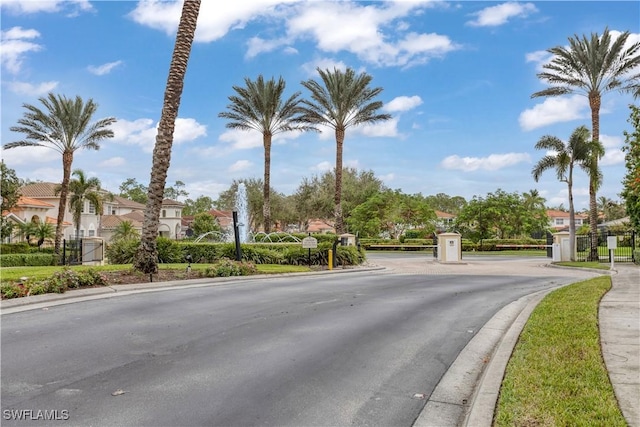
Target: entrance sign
[[309, 243]]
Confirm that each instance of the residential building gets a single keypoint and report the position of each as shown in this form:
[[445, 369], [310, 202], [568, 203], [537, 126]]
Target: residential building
[[40, 201], [559, 220]]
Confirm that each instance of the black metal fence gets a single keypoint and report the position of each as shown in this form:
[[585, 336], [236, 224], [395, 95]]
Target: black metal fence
[[625, 244]]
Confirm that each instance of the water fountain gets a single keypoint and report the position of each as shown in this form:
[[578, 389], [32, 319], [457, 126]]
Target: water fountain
[[242, 209]]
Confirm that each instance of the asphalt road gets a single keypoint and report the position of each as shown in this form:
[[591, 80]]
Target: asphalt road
[[360, 348]]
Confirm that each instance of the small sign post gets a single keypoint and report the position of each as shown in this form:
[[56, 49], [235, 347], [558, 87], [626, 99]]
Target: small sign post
[[612, 244], [309, 243]]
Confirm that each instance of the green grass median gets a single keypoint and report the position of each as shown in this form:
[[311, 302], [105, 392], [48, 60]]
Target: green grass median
[[556, 375]]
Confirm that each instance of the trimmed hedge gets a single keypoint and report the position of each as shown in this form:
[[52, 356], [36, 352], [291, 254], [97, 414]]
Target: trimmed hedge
[[26, 260], [172, 251]]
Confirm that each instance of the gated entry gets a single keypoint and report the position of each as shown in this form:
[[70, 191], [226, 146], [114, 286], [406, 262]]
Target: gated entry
[[623, 253]]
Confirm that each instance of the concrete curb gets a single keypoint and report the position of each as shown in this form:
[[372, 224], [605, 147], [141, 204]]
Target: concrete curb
[[468, 391]]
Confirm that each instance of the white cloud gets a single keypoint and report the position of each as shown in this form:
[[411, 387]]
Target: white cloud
[[329, 24], [29, 89], [29, 155], [240, 165], [14, 43], [497, 15], [213, 21], [112, 162], [323, 167], [554, 110], [241, 140], [403, 103], [490, 163], [100, 70], [388, 128], [613, 154], [366, 37], [388, 177], [143, 132], [49, 6]]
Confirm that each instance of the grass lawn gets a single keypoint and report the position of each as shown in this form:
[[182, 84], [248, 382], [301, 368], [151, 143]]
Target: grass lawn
[[12, 274], [584, 264], [556, 375]]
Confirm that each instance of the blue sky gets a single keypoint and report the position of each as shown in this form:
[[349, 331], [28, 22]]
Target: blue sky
[[457, 79]]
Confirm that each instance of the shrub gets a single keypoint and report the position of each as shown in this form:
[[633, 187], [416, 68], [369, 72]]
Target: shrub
[[92, 277], [169, 251], [228, 268], [15, 248], [13, 290], [122, 251]]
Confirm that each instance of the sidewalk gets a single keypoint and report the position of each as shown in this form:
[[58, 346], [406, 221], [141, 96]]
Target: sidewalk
[[620, 339]]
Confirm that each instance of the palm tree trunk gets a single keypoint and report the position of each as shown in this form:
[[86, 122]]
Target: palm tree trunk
[[266, 207], [146, 259], [594, 104], [339, 225], [67, 160], [572, 219]]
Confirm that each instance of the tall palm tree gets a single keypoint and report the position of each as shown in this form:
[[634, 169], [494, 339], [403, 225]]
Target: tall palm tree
[[342, 100], [82, 188], [591, 67], [65, 126], [563, 159], [260, 106], [146, 259]]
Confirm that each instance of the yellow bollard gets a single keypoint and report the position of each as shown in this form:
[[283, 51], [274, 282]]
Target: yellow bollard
[[330, 259]]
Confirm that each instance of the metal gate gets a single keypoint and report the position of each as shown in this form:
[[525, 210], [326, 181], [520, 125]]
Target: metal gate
[[625, 242]]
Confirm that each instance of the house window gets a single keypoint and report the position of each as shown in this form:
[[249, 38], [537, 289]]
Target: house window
[[559, 221], [578, 221], [92, 208], [177, 214], [92, 233], [164, 213], [113, 211]]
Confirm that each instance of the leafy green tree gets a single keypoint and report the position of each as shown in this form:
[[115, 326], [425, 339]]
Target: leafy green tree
[[27, 230], [203, 223], [564, 158], [499, 215], [261, 106], [631, 181], [445, 203], [82, 188], [65, 126], [593, 66], [342, 100], [146, 258], [176, 191], [199, 205], [125, 231], [131, 189], [10, 189]]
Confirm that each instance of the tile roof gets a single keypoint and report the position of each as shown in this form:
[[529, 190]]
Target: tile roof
[[29, 202], [112, 221], [126, 203], [39, 189], [169, 202]]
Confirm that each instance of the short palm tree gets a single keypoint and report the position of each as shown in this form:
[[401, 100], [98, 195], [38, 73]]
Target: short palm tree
[[563, 159], [65, 126], [342, 100], [125, 231], [593, 66], [260, 106], [146, 259], [43, 231], [82, 188]]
